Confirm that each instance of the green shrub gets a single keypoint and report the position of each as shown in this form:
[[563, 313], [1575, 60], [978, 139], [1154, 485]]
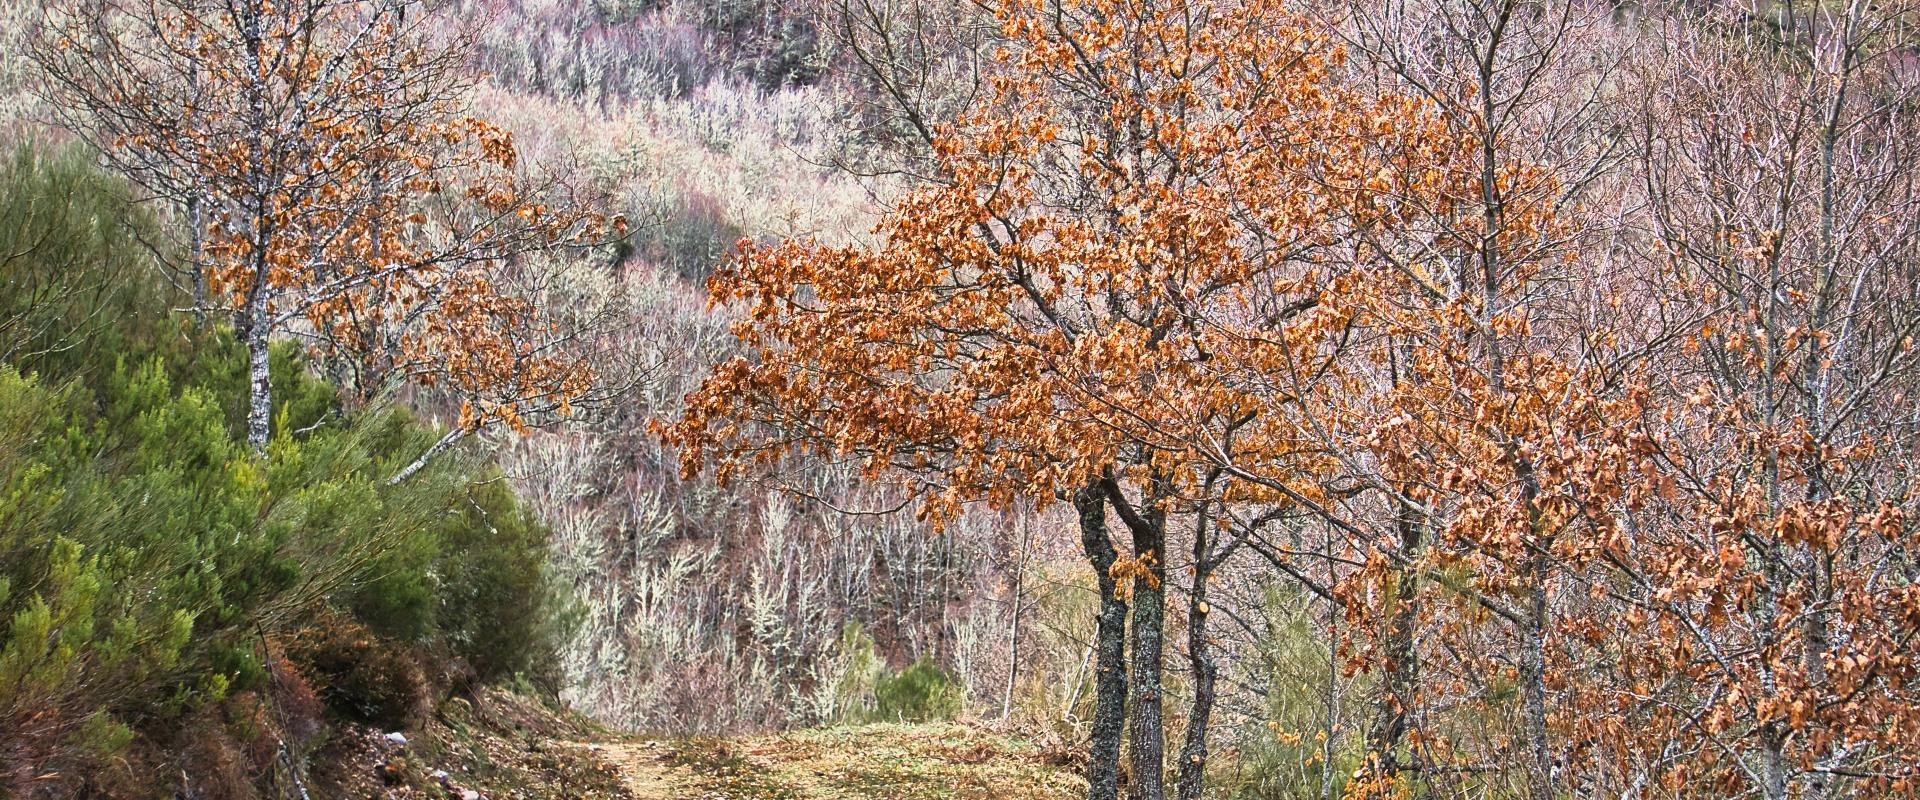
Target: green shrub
[[858, 688], [78, 652], [500, 608], [149, 558], [76, 283], [846, 691], [922, 692]]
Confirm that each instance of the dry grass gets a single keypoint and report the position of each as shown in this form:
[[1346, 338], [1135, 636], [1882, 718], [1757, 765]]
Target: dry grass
[[874, 762]]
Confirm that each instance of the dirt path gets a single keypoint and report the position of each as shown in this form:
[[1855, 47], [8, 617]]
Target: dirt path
[[877, 762], [643, 768]]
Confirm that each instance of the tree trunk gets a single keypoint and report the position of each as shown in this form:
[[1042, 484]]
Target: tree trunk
[[453, 435], [1533, 677], [1193, 752], [252, 331], [1148, 737], [1401, 666], [197, 274], [1013, 633], [1110, 665]]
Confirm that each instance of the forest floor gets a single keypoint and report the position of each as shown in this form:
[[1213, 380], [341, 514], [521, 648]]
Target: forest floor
[[874, 762]]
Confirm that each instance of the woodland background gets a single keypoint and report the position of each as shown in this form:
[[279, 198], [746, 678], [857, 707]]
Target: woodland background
[[1624, 508]]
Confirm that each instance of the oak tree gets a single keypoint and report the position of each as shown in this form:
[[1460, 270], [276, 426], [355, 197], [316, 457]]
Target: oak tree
[[332, 187], [1037, 322]]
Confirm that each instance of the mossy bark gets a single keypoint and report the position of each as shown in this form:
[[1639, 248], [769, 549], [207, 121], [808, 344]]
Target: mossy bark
[[1147, 739], [1110, 639]]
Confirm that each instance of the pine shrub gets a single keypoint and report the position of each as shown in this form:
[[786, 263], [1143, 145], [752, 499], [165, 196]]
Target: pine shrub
[[155, 570], [923, 692]]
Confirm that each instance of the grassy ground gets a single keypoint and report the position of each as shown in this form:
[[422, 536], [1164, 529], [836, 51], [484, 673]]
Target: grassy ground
[[875, 762]]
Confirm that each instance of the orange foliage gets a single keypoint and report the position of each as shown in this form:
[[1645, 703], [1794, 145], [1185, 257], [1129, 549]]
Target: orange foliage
[[333, 186], [1046, 313]]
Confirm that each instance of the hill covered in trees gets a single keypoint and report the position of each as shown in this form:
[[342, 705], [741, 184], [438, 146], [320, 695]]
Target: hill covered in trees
[[1221, 398]]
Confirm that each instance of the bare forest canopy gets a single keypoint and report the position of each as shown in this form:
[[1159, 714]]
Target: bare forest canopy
[[1198, 398]]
